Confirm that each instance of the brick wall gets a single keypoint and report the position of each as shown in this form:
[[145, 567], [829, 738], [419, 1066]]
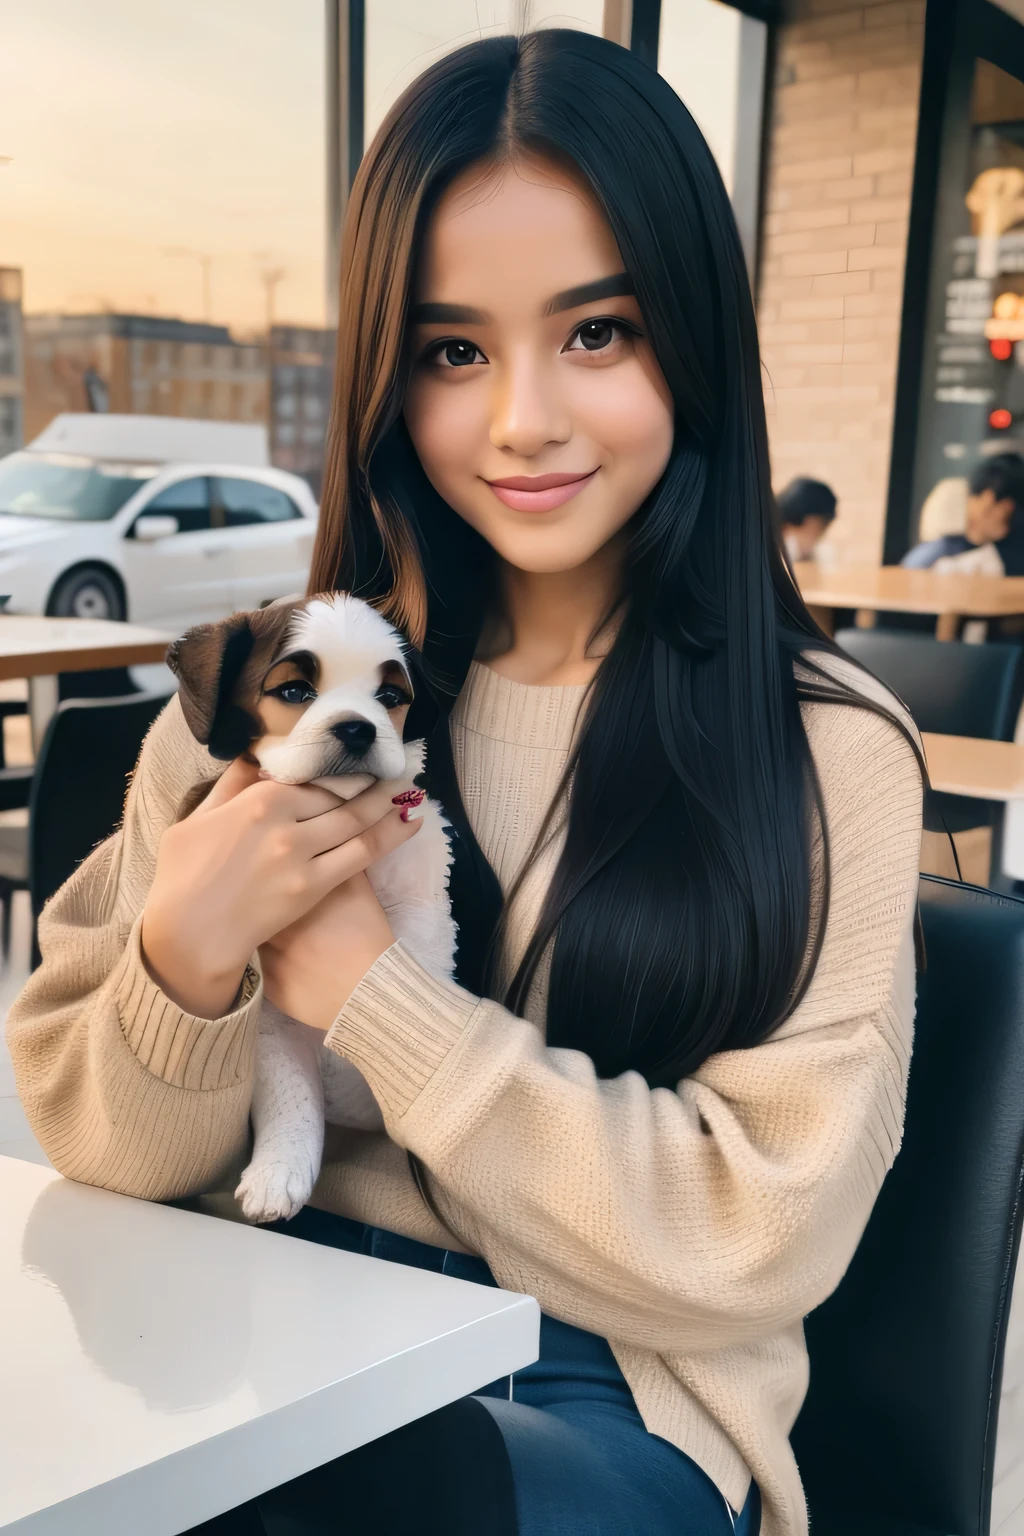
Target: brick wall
[[840, 162]]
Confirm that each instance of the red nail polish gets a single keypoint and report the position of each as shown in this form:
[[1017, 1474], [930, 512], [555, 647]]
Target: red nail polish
[[409, 797]]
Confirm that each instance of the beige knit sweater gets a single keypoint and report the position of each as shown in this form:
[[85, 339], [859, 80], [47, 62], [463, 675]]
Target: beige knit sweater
[[694, 1229]]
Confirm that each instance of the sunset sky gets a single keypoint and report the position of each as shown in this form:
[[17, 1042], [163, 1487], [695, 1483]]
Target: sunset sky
[[139, 128]]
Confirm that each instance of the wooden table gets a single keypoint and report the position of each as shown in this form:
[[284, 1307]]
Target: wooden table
[[39, 648], [985, 770], [871, 588], [160, 1366]]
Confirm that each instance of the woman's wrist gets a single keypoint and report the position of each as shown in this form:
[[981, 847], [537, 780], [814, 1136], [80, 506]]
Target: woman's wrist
[[207, 992]]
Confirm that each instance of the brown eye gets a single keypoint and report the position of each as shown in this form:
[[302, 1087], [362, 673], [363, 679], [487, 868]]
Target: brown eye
[[455, 354], [596, 334]]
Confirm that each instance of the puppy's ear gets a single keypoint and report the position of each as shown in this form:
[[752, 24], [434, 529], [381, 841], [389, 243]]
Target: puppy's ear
[[219, 668]]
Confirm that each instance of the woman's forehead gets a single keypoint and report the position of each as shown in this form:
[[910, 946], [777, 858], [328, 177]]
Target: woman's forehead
[[526, 228]]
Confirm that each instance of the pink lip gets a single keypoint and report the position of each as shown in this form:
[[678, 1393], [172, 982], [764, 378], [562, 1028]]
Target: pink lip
[[539, 493]]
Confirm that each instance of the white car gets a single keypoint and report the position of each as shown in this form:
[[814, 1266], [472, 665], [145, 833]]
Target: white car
[[159, 520]]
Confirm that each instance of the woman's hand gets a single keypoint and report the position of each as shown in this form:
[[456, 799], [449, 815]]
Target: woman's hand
[[250, 861], [312, 967]]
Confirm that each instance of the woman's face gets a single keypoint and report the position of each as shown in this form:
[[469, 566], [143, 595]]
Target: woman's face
[[535, 402]]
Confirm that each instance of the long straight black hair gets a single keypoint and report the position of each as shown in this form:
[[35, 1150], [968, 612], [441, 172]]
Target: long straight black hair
[[688, 905]]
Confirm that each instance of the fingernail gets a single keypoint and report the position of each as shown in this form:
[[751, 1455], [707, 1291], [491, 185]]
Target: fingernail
[[409, 797], [406, 813]]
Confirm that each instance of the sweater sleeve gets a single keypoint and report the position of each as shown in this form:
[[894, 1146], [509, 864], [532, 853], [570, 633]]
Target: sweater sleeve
[[122, 1088], [694, 1218]]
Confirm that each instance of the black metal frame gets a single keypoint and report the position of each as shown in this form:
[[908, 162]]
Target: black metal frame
[[345, 50], [957, 33]]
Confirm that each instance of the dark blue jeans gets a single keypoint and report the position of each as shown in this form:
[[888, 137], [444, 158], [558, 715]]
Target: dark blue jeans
[[559, 1449]]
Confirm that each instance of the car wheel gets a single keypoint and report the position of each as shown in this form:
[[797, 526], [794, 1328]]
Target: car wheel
[[88, 593]]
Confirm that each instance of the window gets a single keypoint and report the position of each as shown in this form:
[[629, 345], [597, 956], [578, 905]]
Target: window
[[403, 37], [170, 187], [972, 384], [66, 488], [250, 501], [188, 501], [714, 57]]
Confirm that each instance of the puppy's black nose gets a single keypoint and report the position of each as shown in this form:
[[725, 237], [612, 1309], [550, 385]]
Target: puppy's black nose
[[356, 736]]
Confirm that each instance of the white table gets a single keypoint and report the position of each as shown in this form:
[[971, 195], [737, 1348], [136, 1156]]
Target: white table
[[158, 1367]]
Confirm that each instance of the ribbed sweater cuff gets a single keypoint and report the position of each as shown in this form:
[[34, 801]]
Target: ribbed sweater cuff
[[179, 1048], [398, 1026]]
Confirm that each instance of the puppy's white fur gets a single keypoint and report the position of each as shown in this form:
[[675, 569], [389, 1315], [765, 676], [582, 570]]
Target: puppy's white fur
[[298, 1082]]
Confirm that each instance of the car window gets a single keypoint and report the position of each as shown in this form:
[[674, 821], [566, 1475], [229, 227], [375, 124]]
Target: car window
[[250, 501], [67, 488], [187, 500]]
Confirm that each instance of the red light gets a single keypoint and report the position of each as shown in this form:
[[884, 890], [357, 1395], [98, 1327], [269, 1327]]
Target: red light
[[1002, 350], [1000, 419]]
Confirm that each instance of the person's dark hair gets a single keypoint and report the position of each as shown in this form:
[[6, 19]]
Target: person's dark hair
[[684, 914], [1003, 475], [803, 498]]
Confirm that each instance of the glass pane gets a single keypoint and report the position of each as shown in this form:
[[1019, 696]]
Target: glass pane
[[164, 201], [972, 401], [714, 57], [248, 501], [404, 36], [188, 501], [64, 487]]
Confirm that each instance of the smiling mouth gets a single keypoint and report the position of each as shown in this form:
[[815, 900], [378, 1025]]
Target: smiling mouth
[[539, 493]]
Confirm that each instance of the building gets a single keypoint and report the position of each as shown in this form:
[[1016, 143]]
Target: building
[[11, 360], [302, 376], [891, 274], [143, 364]]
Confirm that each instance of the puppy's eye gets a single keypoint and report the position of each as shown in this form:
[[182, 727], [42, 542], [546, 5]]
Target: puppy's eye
[[295, 691], [391, 696]]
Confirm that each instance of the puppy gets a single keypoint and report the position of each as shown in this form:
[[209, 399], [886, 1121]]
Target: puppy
[[317, 693]]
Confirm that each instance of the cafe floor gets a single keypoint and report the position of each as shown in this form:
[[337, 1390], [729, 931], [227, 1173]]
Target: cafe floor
[[16, 1139]]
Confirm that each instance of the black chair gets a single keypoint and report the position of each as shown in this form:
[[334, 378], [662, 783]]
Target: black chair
[[951, 688], [77, 797], [8, 709], [16, 783], [107, 683], [897, 1435]]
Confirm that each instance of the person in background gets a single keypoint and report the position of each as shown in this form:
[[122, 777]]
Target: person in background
[[992, 543], [806, 508], [944, 509]]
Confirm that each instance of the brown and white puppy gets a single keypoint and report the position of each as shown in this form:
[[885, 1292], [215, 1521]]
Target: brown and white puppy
[[317, 693]]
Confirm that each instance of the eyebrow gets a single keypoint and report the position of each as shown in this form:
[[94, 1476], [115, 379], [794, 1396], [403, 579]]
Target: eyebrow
[[616, 286]]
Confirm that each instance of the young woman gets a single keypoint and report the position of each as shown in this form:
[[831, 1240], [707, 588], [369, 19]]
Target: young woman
[[665, 1094]]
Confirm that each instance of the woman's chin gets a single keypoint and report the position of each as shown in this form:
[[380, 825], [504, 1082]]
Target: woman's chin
[[547, 551]]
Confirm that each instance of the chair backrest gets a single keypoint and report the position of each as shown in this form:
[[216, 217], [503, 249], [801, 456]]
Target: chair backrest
[[78, 789], [107, 683], [949, 687], [898, 1430]]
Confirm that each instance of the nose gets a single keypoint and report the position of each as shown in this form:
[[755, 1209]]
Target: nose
[[356, 736], [527, 411]]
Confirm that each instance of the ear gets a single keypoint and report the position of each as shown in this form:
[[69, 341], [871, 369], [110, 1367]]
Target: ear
[[219, 668]]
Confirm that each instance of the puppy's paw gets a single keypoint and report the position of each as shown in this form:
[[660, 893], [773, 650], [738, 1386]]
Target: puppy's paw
[[274, 1191]]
